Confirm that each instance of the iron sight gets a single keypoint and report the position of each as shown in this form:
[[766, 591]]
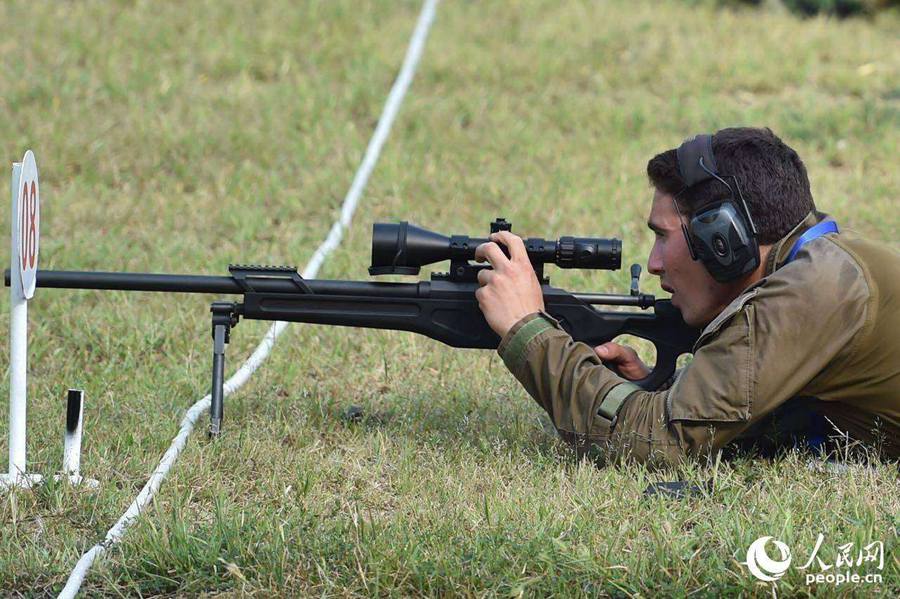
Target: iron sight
[[443, 308]]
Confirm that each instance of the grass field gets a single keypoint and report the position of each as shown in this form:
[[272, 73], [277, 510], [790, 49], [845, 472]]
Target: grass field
[[181, 136]]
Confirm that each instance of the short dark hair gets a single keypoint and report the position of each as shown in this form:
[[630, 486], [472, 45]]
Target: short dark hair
[[771, 175]]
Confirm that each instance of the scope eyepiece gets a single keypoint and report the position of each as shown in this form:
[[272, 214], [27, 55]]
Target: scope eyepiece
[[402, 248]]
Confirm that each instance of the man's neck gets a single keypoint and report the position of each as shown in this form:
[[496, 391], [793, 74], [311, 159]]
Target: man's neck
[[750, 279], [760, 271]]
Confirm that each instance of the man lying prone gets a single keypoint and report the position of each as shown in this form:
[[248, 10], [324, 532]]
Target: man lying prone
[[799, 318]]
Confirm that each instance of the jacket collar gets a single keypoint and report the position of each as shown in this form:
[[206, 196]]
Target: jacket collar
[[782, 247]]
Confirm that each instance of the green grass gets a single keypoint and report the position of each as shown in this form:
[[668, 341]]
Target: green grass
[[179, 137]]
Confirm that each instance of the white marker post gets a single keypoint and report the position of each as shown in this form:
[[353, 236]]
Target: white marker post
[[26, 215], [72, 441]]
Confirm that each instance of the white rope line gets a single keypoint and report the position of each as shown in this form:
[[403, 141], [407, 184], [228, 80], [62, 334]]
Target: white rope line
[[392, 106]]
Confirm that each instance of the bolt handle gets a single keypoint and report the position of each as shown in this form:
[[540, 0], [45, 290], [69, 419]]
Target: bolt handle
[[635, 279]]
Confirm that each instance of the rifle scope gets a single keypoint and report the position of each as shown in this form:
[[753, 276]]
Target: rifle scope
[[402, 249]]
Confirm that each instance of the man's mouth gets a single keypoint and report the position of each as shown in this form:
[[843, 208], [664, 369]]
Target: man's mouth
[[666, 288]]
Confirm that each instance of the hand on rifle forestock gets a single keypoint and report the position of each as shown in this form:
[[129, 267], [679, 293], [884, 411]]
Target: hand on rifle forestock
[[623, 360], [511, 289]]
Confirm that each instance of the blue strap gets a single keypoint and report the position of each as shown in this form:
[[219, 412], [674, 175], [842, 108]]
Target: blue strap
[[817, 432], [823, 228]]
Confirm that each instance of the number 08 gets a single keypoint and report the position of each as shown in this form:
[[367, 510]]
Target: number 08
[[28, 226]]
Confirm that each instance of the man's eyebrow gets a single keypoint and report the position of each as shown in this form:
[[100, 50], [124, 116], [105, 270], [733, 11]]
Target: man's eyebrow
[[654, 228]]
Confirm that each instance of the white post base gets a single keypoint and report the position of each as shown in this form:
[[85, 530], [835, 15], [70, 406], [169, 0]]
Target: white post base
[[29, 481], [22, 481], [77, 480]]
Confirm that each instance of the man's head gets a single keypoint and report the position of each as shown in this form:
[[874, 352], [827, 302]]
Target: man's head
[[775, 186]]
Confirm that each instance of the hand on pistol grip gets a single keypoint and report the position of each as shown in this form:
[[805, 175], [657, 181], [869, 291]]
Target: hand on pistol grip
[[623, 360]]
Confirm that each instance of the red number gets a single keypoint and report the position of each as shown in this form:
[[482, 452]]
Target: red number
[[32, 226], [28, 226], [23, 231]]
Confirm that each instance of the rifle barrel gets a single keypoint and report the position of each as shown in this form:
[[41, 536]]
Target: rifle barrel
[[138, 281], [167, 283], [133, 281]]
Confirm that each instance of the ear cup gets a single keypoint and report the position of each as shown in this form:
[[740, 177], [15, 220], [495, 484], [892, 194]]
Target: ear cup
[[721, 240]]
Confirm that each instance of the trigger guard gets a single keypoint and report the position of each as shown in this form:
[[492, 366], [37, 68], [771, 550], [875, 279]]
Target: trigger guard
[[655, 379], [658, 375], [662, 371]]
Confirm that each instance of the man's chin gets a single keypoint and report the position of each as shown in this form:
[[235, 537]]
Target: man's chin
[[690, 317], [694, 320]]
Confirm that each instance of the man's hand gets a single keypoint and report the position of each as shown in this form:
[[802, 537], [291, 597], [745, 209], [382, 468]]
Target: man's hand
[[511, 290], [624, 359]]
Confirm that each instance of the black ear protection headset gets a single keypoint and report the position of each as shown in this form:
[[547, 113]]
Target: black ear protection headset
[[721, 235]]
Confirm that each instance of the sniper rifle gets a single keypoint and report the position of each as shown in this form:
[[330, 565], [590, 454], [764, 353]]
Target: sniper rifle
[[443, 308]]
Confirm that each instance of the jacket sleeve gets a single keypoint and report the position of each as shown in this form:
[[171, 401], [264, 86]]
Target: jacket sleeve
[[762, 350]]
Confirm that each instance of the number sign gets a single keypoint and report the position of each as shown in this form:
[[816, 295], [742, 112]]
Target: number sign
[[28, 224]]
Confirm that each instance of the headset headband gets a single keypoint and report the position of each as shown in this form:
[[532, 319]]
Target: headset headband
[[689, 155]]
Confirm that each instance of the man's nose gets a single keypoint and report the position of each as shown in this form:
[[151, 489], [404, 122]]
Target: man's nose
[[654, 262]]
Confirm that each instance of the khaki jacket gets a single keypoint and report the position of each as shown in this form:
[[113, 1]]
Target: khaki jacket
[[826, 326]]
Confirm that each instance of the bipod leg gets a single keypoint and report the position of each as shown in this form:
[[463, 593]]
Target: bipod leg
[[224, 317]]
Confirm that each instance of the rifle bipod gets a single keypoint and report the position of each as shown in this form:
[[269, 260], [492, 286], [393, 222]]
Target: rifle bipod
[[225, 315]]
